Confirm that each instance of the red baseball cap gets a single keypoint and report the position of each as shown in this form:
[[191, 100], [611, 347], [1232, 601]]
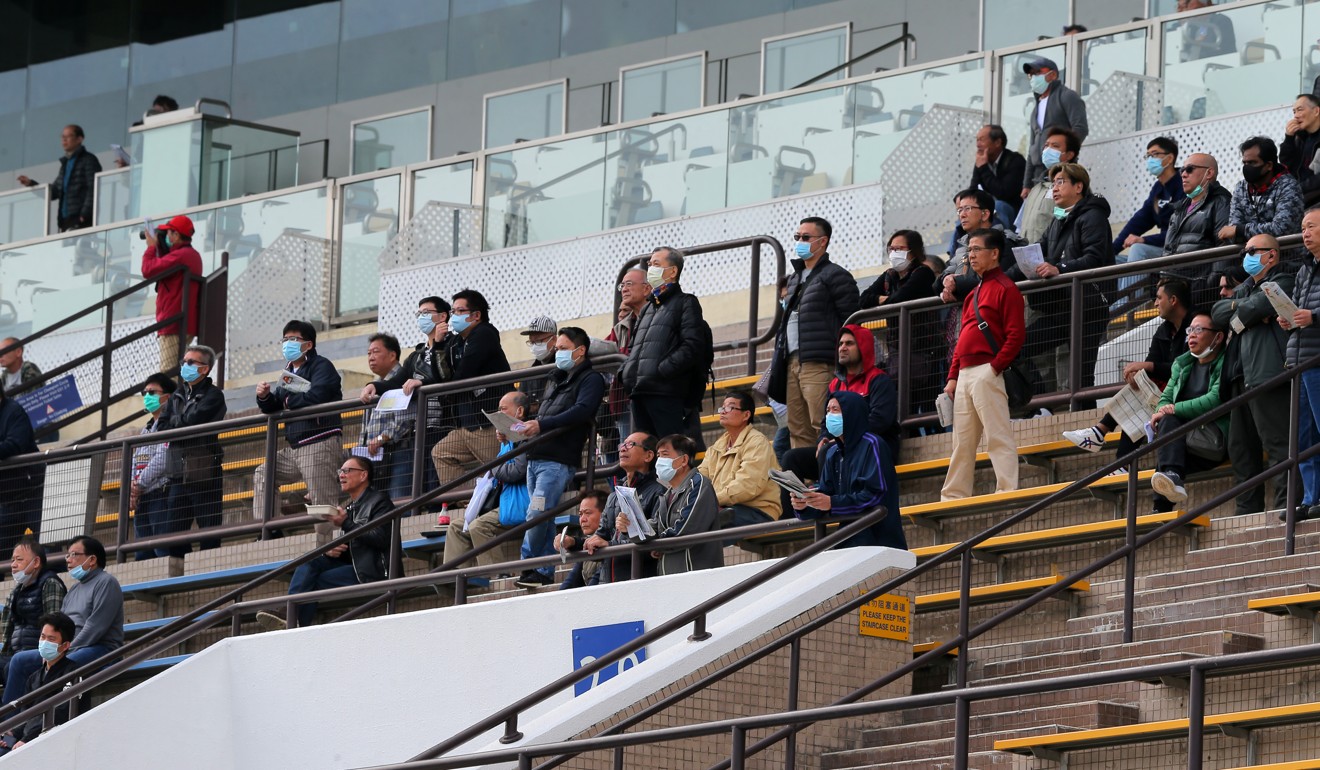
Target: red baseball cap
[[181, 225]]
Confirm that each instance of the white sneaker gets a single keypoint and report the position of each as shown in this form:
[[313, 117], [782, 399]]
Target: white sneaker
[[1118, 472], [1169, 486], [1088, 439]]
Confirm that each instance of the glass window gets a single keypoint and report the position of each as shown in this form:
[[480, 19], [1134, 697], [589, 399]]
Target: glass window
[[590, 25], [787, 146], [13, 103], [699, 14], [546, 192], [283, 61], [1097, 14], [1017, 102], [488, 35], [244, 229], [1232, 61], [525, 115], [22, 214], [88, 89], [663, 87], [396, 140], [401, 43], [113, 199], [667, 169], [1010, 22], [791, 61], [186, 69], [1120, 97], [442, 184], [368, 219]]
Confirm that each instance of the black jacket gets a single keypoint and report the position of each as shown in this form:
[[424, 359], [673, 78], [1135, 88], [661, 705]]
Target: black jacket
[[77, 200], [428, 367], [369, 553], [16, 438], [1297, 152], [1196, 227], [665, 351], [1079, 241], [325, 389], [1003, 180], [473, 356], [571, 400], [1304, 343], [826, 299], [39, 678], [192, 406], [1166, 345]]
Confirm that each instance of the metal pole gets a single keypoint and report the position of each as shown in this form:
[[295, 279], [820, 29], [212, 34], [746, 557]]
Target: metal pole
[[272, 491], [794, 674], [752, 307], [419, 445], [904, 356], [738, 754], [125, 483], [1195, 718], [1076, 339], [105, 368], [1130, 563], [1294, 477], [962, 707]]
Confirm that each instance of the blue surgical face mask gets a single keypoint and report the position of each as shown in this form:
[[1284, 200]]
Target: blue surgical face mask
[[425, 325], [1060, 213], [1039, 84], [664, 469], [1154, 166], [803, 249], [1196, 191], [564, 359], [1251, 263], [834, 423], [459, 323], [20, 577], [78, 573], [292, 350], [48, 649], [189, 373], [1050, 157], [151, 402]]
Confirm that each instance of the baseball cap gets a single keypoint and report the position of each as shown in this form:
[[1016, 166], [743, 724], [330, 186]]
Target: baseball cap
[[1032, 66], [181, 225], [541, 324]]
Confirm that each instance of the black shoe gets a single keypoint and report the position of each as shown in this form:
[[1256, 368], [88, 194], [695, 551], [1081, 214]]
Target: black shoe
[[531, 579], [1169, 485]]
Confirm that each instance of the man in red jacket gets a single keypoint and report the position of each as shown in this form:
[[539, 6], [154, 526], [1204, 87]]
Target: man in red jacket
[[976, 382], [169, 291]]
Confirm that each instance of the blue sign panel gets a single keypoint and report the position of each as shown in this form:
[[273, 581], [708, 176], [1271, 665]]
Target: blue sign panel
[[51, 401], [590, 644]]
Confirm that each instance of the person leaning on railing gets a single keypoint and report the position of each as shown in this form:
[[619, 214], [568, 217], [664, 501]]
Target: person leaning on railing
[[688, 507], [1304, 343], [637, 461]]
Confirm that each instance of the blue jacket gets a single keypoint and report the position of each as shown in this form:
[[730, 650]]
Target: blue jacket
[[325, 389], [858, 474], [1155, 212]]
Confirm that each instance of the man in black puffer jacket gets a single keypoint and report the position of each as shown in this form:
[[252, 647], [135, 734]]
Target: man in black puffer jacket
[[668, 347], [1195, 224], [1077, 239], [821, 296]]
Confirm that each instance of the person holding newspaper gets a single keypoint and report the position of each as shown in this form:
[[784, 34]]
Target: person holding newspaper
[[1304, 343]]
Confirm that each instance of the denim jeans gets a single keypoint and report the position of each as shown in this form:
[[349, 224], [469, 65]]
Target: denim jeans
[[1135, 253], [546, 482], [321, 572], [150, 518], [1308, 434]]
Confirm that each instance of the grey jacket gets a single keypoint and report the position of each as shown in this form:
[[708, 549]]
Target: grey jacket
[[1064, 108], [96, 606], [1305, 343], [1256, 353], [693, 510], [1277, 211]]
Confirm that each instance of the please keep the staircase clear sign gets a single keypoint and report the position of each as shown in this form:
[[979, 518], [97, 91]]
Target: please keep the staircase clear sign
[[888, 616]]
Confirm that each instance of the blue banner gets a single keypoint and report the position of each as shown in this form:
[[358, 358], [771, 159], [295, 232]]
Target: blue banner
[[51, 401], [592, 643]]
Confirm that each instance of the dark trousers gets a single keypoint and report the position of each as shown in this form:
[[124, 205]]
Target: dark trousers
[[1174, 458], [662, 416], [194, 499], [321, 572], [1260, 428]]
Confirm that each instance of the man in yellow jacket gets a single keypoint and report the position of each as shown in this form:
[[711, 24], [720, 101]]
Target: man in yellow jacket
[[738, 465]]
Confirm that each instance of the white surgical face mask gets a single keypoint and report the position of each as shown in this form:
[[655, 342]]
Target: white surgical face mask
[[655, 275], [539, 349], [899, 260]]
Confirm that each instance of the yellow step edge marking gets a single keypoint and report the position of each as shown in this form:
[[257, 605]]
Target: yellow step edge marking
[[1029, 493], [925, 647], [1115, 526], [1281, 603], [233, 465], [299, 486], [1049, 447], [1000, 589], [737, 382], [1304, 764]]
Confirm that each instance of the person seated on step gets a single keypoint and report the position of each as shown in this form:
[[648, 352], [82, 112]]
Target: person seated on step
[[738, 465], [56, 638], [637, 461], [1173, 298], [688, 507], [1192, 391], [505, 508], [365, 559], [96, 606], [856, 475], [591, 506], [37, 591]]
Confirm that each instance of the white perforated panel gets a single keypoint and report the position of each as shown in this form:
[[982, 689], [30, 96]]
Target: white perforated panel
[[575, 278], [438, 232], [1122, 104], [932, 164], [287, 279], [128, 365]]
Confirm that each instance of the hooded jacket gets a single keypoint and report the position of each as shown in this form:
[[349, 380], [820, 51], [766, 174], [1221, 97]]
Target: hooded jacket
[[873, 384], [1195, 226], [1079, 241], [853, 473]]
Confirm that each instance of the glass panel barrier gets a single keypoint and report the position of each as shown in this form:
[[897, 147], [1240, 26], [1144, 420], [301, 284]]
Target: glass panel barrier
[[391, 141], [1233, 60], [1017, 102], [114, 201], [245, 229], [1010, 22], [240, 160], [546, 192], [165, 174], [1120, 97], [23, 214], [368, 219], [791, 61], [769, 155], [672, 86], [442, 184], [524, 115], [666, 169], [885, 109]]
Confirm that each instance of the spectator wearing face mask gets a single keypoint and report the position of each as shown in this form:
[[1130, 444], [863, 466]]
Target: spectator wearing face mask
[[908, 278], [159, 257], [1135, 242], [149, 494], [1267, 200], [37, 591], [1192, 391], [1056, 105], [540, 334], [1061, 145]]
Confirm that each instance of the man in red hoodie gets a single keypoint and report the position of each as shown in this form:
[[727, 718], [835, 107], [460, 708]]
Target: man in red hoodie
[[169, 291], [976, 382], [856, 373]]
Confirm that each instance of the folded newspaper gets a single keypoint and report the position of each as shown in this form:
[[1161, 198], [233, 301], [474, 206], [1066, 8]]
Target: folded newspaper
[[631, 507], [944, 408], [1027, 258], [505, 424], [789, 481], [1131, 407], [1283, 304], [293, 383]]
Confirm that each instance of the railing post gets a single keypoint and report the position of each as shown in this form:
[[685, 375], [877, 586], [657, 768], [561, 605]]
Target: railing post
[[753, 304], [105, 368], [1294, 476], [396, 548], [1130, 562], [618, 758], [699, 632], [1195, 718], [592, 447], [904, 359], [738, 753], [962, 709], [794, 674], [511, 734], [419, 444], [272, 491], [125, 485], [1076, 339]]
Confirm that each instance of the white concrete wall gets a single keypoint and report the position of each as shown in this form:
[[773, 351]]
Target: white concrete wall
[[382, 689]]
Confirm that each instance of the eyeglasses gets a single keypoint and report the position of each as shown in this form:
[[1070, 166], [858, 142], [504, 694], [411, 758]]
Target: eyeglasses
[[627, 285], [459, 310], [1188, 168], [427, 313], [1061, 180], [153, 393], [805, 237], [345, 470], [75, 555], [194, 362], [625, 446], [965, 209], [1254, 250], [1156, 154], [293, 339], [978, 249], [727, 409], [1201, 329]]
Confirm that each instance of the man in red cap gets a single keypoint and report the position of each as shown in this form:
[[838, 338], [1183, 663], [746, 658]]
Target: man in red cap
[[158, 258]]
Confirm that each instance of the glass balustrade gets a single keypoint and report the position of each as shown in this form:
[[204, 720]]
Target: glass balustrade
[[451, 183], [114, 199], [1120, 97], [368, 219], [23, 214]]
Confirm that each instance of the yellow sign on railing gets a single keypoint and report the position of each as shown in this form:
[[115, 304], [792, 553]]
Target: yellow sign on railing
[[888, 616]]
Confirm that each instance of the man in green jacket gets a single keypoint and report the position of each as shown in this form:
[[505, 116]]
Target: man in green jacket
[[1192, 391], [1255, 354]]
